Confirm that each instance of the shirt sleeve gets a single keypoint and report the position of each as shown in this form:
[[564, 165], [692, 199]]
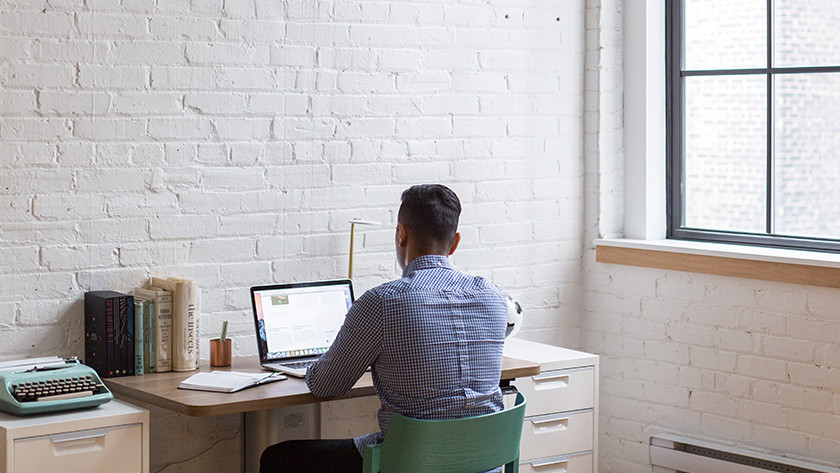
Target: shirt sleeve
[[355, 348]]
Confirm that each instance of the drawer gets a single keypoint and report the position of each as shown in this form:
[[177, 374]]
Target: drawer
[[556, 434], [118, 448], [581, 463], [558, 391]]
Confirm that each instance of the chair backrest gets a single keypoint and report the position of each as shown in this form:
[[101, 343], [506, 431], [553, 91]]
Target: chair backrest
[[472, 444]]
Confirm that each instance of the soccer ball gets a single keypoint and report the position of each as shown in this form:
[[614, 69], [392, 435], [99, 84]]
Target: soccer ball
[[514, 320]]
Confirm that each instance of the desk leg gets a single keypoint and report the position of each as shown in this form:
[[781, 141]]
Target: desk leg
[[265, 428]]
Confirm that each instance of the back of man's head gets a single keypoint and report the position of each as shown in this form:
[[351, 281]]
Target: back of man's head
[[430, 212]]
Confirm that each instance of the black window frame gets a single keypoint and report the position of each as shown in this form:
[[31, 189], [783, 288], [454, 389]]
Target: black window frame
[[675, 138]]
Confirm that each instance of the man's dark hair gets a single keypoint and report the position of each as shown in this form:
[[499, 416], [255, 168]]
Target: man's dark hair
[[430, 212]]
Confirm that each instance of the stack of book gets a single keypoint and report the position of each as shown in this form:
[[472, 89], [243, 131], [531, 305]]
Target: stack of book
[[153, 330]]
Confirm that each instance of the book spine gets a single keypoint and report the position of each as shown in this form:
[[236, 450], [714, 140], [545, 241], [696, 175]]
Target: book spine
[[139, 337], [163, 331], [149, 348], [110, 361], [185, 334], [125, 335]]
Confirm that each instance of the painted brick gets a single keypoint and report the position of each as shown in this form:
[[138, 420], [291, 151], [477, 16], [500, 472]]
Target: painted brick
[[230, 54], [122, 180], [43, 23], [78, 257], [184, 28], [245, 275], [233, 178], [179, 128], [79, 206], [144, 103], [243, 129], [197, 78], [17, 102], [183, 226], [129, 205], [35, 129], [215, 103], [421, 172], [106, 129], [247, 225], [94, 76], [222, 250], [29, 154], [154, 254]]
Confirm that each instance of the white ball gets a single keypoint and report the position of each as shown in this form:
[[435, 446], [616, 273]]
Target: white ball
[[514, 320]]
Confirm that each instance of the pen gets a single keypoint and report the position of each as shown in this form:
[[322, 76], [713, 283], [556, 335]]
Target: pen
[[259, 381], [224, 330]]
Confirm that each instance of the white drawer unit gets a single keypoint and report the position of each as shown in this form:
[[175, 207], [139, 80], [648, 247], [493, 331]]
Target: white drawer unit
[[108, 438], [560, 432]]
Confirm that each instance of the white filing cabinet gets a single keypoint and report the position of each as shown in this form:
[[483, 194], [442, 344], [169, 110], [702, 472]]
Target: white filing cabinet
[[109, 438], [560, 433]]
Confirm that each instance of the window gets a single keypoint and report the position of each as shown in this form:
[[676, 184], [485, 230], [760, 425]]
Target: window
[[754, 122]]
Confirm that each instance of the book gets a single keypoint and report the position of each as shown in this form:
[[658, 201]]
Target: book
[[140, 307], [161, 323], [150, 345], [228, 381], [109, 333], [148, 332], [184, 334]]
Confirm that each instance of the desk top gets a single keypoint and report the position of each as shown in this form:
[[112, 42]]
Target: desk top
[[161, 389]]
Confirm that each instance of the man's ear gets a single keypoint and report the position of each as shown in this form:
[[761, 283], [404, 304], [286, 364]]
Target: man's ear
[[402, 235], [455, 242]]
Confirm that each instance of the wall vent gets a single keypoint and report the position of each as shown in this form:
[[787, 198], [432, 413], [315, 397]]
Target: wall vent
[[673, 453]]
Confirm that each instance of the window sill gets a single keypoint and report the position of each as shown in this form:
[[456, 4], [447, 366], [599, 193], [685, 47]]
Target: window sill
[[790, 266]]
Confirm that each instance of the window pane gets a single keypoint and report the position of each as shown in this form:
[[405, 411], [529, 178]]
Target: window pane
[[806, 33], [725, 34], [807, 145], [725, 153]]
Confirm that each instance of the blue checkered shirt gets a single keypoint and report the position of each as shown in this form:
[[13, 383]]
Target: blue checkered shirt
[[434, 340]]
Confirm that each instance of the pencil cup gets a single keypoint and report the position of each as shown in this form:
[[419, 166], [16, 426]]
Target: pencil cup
[[220, 352]]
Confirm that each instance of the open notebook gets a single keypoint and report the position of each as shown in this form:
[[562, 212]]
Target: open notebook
[[227, 381]]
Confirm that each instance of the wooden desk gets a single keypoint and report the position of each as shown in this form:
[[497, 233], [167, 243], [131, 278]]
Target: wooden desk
[[161, 389], [263, 407]]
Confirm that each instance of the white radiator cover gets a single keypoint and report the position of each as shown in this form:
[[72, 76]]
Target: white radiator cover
[[674, 453]]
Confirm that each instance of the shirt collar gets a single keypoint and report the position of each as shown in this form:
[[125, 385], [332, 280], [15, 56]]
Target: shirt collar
[[427, 262]]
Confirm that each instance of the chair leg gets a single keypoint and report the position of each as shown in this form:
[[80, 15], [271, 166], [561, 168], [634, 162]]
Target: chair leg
[[371, 459]]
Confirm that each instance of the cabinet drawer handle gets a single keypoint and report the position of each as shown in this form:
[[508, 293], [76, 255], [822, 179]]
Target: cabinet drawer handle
[[551, 376], [83, 435], [549, 382], [563, 464], [552, 424]]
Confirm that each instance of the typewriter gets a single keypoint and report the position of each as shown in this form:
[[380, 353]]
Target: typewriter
[[41, 386]]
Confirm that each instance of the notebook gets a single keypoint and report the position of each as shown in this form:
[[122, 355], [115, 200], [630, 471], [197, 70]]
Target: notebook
[[227, 381], [297, 322]]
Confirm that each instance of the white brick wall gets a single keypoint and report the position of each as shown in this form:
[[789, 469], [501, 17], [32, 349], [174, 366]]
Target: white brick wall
[[745, 362], [230, 142]]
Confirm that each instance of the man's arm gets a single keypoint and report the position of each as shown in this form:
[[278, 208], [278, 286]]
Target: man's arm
[[355, 347]]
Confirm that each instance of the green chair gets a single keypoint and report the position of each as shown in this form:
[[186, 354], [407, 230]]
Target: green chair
[[469, 445]]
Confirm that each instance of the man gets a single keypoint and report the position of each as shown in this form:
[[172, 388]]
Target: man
[[433, 338]]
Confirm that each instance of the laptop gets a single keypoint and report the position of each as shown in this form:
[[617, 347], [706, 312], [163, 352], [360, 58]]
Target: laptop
[[297, 322]]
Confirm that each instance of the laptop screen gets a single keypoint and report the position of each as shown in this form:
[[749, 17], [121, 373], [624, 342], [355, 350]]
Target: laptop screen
[[299, 319]]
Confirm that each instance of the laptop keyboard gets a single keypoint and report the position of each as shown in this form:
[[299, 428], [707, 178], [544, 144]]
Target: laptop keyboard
[[299, 364]]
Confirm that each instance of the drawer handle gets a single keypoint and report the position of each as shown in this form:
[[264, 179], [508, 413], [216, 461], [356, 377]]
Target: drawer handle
[[75, 437], [553, 381], [75, 443], [550, 425], [563, 464]]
